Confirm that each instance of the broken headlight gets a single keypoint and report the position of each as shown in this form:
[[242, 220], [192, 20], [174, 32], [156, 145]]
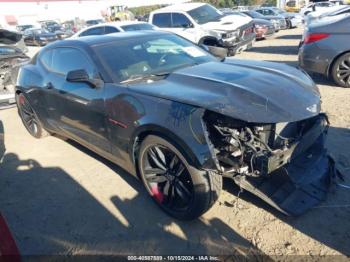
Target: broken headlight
[[232, 34]]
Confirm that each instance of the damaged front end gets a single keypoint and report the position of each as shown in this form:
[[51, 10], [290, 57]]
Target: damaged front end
[[285, 164], [12, 56]]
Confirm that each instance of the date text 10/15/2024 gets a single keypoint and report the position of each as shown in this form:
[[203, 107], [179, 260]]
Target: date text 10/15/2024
[[173, 258]]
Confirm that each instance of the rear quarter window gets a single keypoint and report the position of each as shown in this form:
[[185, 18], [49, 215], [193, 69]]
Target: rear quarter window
[[46, 59], [110, 30]]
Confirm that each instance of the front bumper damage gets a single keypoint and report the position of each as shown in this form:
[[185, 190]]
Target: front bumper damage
[[284, 164]]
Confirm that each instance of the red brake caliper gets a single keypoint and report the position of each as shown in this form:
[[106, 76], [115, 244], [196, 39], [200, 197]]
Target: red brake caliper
[[157, 194], [21, 99]]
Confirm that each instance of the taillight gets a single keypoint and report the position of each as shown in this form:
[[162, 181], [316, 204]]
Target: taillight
[[314, 37]]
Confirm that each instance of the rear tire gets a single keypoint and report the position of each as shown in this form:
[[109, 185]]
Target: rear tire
[[29, 118], [341, 70], [181, 190]]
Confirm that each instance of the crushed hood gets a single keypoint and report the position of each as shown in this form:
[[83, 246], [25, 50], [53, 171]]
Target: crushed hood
[[253, 91]]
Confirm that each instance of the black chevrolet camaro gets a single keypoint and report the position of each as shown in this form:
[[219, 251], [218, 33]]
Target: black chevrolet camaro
[[172, 114]]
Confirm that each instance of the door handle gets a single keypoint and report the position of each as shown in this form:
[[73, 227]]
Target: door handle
[[49, 85]]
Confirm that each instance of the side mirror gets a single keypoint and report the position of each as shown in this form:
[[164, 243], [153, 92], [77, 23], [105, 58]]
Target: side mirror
[[188, 25], [81, 76]]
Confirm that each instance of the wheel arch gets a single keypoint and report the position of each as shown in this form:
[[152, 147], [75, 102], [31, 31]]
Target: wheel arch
[[330, 67], [151, 129], [209, 38]]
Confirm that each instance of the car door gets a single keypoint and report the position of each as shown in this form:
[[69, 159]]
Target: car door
[[182, 26], [77, 109], [163, 21]]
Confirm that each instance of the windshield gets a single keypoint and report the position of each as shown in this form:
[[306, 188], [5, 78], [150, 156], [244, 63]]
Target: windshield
[[204, 14], [255, 14], [142, 57], [136, 27]]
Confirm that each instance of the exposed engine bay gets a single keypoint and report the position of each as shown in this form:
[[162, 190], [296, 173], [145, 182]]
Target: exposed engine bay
[[257, 150], [12, 56], [254, 154]]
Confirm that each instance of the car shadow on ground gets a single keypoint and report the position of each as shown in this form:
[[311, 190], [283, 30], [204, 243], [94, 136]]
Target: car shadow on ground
[[67, 219], [322, 222], [289, 37], [282, 50]]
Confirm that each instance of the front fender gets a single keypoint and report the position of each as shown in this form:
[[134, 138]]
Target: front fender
[[182, 125]]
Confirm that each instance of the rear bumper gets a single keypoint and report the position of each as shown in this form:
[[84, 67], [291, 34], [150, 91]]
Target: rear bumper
[[264, 33], [313, 59], [303, 182]]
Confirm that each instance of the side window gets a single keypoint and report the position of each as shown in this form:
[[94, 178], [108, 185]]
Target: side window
[[110, 30], [68, 59], [93, 31], [162, 20], [180, 20], [46, 58]]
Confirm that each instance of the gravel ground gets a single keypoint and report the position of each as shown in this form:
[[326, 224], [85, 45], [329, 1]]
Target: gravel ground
[[59, 198]]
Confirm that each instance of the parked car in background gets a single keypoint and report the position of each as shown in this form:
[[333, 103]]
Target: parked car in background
[[333, 10], [325, 48], [22, 28], [38, 37], [50, 26], [92, 22], [114, 27], [278, 21], [292, 19], [56, 28], [316, 6], [262, 27], [12, 56], [294, 6], [168, 112], [204, 24]]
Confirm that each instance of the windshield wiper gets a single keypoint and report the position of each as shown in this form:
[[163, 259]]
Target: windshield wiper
[[136, 78]]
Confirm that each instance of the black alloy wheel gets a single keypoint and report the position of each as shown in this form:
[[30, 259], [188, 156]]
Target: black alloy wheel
[[167, 178], [29, 118], [341, 70], [177, 187]]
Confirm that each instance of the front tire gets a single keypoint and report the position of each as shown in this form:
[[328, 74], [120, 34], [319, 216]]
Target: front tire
[[29, 118], [181, 190], [341, 70]]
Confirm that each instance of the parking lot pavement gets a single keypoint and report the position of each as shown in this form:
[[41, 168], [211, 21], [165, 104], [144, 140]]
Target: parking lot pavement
[[59, 198]]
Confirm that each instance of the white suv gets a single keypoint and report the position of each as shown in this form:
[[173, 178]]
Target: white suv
[[204, 24]]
